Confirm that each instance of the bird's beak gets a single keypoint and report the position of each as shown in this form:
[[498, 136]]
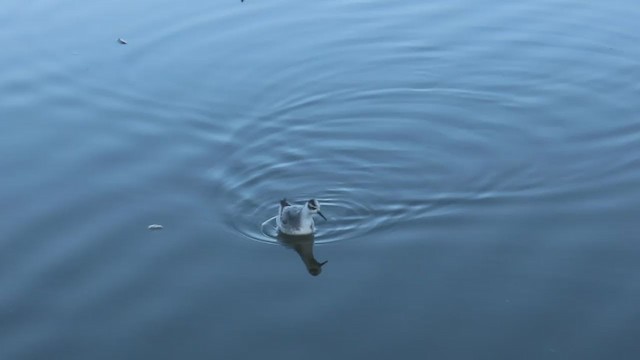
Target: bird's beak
[[319, 213], [324, 262]]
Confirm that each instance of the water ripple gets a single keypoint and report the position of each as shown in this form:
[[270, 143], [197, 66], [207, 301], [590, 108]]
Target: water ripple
[[358, 152]]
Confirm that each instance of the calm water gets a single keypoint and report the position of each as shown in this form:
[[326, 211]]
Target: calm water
[[479, 162]]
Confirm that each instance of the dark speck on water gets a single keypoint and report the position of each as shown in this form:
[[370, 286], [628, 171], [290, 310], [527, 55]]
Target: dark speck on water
[[479, 161]]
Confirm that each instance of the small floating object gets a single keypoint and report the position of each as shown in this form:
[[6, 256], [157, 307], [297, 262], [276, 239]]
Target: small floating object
[[155, 227], [122, 41]]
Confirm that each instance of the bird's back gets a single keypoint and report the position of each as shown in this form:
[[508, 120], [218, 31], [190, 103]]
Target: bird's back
[[292, 221], [291, 217]]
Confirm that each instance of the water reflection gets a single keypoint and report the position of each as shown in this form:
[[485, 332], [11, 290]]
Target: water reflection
[[303, 245]]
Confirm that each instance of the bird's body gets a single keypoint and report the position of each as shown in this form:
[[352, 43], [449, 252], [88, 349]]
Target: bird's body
[[297, 219]]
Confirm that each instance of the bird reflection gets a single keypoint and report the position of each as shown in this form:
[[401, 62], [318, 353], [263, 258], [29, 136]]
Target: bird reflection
[[303, 245]]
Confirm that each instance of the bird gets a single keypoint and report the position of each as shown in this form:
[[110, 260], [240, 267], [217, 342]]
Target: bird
[[298, 219]]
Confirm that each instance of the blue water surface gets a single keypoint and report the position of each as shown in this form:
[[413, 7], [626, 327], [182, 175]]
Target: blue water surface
[[479, 163]]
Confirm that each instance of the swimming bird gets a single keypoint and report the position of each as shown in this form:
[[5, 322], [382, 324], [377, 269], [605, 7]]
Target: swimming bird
[[298, 219]]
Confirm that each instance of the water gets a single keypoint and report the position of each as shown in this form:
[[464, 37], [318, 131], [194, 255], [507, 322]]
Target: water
[[479, 162]]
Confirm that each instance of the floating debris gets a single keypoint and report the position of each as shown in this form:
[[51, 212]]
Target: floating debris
[[122, 41], [155, 227]]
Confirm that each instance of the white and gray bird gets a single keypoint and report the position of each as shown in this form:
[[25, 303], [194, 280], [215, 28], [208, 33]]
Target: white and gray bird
[[298, 219]]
